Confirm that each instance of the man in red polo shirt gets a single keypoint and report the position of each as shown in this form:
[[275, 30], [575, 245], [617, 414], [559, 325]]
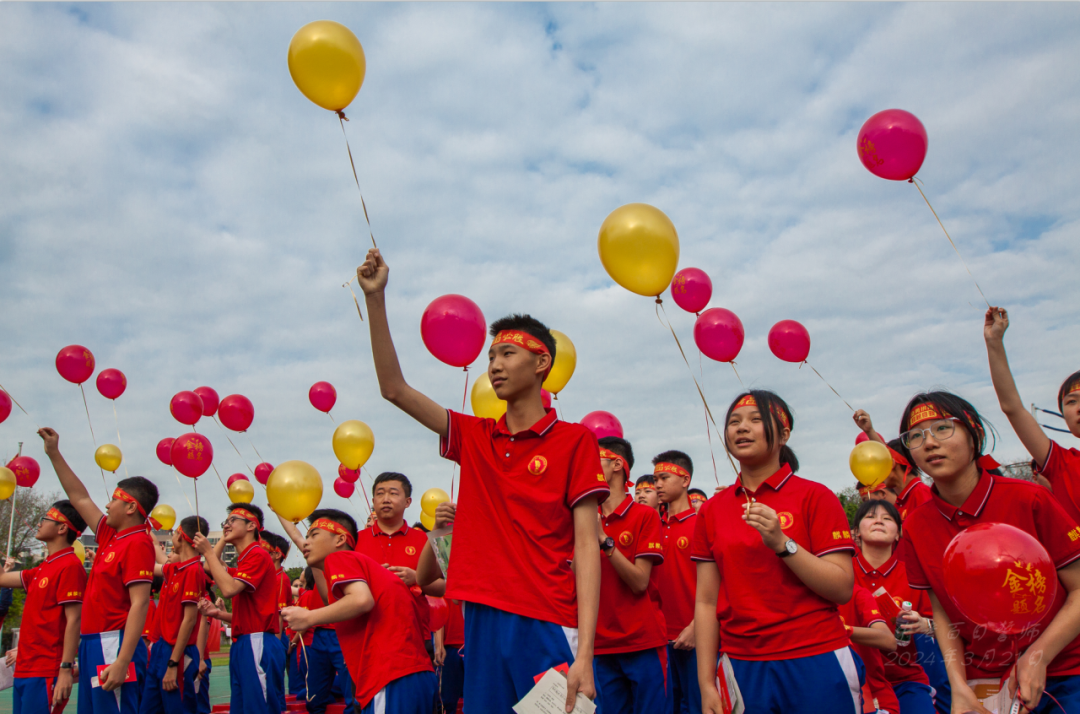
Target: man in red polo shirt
[[50, 624], [530, 485], [631, 637], [677, 580], [112, 654], [257, 658]]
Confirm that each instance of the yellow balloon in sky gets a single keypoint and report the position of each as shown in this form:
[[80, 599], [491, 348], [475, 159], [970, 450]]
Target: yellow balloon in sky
[[428, 521], [327, 63], [7, 483], [485, 403], [871, 462], [80, 550], [565, 363], [353, 443], [639, 248], [108, 457], [431, 500], [293, 490], [165, 515], [242, 491]]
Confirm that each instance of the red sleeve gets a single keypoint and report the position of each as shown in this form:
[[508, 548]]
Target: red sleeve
[[829, 529], [866, 608], [703, 534], [342, 568], [139, 562], [1058, 533], [192, 584], [255, 568], [71, 583], [650, 541], [27, 577], [586, 477], [922, 604], [916, 577], [457, 424]]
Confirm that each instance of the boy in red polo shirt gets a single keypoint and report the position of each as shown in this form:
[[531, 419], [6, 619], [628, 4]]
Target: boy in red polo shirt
[[50, 625], [378, 622], [118, 587], [631, 662], [530, 485], [645, 492], [677, 580], [278, 548], [257, 658], [904, 479]]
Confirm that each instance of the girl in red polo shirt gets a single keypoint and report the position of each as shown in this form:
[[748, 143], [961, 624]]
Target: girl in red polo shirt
[[775, 551], [945, 437]]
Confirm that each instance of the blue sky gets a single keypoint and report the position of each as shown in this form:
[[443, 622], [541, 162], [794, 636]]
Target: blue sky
[[171, 201]]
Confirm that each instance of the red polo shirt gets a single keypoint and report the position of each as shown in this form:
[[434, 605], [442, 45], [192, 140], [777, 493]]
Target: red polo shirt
[[677, 581], [903, 664], [59, 581], [914, 495], [765, 611], [1062, 470], [514, 526], [861, 611], [400, 549], [384, 643], [629, 622], [455, 626], [996, 499], [312, 600], [123, 559], [284, 597], [152, 628], [255, 607], [184, 584]]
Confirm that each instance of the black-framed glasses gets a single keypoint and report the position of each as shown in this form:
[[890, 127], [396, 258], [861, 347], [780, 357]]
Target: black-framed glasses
[[46, 518], [942, 430], [228, 521]]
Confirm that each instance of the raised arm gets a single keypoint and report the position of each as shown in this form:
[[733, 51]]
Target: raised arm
[[293, 532], [372, 277], [1023, 422], [227, 584], [862, 420], [73, 487]]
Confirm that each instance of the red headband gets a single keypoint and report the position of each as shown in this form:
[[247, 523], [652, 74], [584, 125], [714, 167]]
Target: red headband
[[749, 401], [126, 497], [271, 549], [525, 341], [55, 515], [247, 516], [336, 528], [898, 458], [666, 468], [185, 536], [927, 411], [1074, 387]]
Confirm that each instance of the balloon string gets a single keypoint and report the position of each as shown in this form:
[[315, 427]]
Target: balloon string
[[708, 433], [214, 467], [119, 443], [327, 414], [349, 286], [916, 183], [732, 363], [252, 445], [828, 385], [181, 485], [20, 406], [341, 120], [87, 408], [233, 446], [196, 487], [307, 668], [659, 308], [363, 490]]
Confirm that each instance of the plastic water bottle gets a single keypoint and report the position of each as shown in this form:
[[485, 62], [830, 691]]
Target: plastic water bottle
[[902, 635]]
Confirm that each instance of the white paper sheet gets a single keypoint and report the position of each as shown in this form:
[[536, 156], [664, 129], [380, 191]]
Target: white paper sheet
[[549, 697]]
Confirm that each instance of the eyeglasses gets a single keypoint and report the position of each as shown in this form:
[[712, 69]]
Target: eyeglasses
[[46, 518], [942, 430], [229, 521]]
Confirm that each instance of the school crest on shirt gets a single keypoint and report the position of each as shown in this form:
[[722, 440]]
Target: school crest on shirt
[[538, 465], [683, 542], [43, 582], [410, 550], [110, 557], [626, 538], [786, 520], [175, 587]]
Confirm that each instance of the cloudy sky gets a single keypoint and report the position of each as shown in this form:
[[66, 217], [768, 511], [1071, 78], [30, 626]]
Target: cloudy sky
[[171, 201]]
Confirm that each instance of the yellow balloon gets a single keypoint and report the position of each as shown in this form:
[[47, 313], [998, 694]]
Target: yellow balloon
[[165, 515], [327, 63], [293, 490], [485, 403], [565, 362], [7, 483], [353, 443], [431, 500], [428, 521], [108, 457], [80, 550], [639, 248], [242, 491], [871, 462]]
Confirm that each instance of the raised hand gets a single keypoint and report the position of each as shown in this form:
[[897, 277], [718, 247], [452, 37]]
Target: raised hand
[[373, 274]]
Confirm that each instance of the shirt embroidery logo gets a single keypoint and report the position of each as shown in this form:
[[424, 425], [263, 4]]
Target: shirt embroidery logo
[[626, 538], [786, 520], [538, 465], [683, 542], [175, 587], [409, 550], [43, 582], [110, 557]]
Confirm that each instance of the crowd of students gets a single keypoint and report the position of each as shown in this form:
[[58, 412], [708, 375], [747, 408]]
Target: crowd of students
[[650, 597]]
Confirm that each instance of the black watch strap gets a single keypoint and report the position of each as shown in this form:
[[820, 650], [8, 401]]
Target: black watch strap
[[67, 665], [172, 664]]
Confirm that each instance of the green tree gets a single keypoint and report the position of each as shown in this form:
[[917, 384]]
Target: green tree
[[850, 500]]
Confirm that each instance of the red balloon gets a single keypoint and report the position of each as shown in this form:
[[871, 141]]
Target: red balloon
[[602, 424], [262, 472], [236, 412], [322, 396], [164, 451], [440, 612], [26, 470], [454, 330], [209, 400], [111, 383], [892, 144], [1001, 577], [343, 488], [691, 289], [719, 334], [545, 397], [789, 341], [5, 406], [350, 475], [186, 407], [192, 454], [861, 438], [235, 477], [75, 363]]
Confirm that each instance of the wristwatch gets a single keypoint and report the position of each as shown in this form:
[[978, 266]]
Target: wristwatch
[[173, 664], [608, 546], [67, 665], [790, 548]]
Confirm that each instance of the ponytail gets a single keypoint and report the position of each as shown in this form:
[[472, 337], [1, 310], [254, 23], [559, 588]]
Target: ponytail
[[787, 456]]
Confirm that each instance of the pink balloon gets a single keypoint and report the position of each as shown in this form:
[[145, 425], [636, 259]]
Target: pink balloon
[[192, 454], [789, 341], [186, 407], [322, 396], [235, 477], [164, 451], [454, 330], [350, 475], [5, 406], [719, 334], [75, 363], [236, 412], [602, 424], [262, 472], [343, 488], [111, 383], [892, 144], [691, 289], [861, 438], [26, 470], [209, 400], [545, 397]]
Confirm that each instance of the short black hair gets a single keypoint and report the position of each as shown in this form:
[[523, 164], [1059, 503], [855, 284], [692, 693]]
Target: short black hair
[[678, 458], [530, 326], [698, 491], [277, 541], [869, 507], [647, 478], [954, 406], [193, 525], [142, 490], [340, 517], [253, 510], [421, 527], [1064, 389], [393, 476], [619, 446], [309, 578], [768, 403], [72, 514]]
